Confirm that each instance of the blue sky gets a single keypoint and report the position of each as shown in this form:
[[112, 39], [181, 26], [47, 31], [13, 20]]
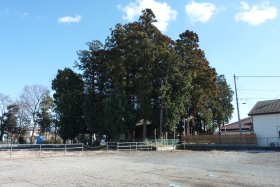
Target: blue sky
[[239, 37]]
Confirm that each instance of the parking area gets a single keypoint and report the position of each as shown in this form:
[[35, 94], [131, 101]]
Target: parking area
[[157, 168]]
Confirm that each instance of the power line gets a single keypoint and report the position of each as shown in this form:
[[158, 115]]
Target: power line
[[260, 76], [245, 95], [258, 90], [236, 94], [257, 98]]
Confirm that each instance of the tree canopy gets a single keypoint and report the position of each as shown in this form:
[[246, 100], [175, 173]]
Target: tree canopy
[[140, 74], [68, 98]]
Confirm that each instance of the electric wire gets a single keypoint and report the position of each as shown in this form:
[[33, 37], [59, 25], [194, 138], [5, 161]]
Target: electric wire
[[240, 88]]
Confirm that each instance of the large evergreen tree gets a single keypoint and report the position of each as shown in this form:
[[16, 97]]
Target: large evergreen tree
[[148, 70], [45, 116], [203, 78], [222, 108], [68, 97]]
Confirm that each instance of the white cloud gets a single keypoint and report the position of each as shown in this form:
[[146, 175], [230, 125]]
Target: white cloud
[[257, 14], [69, 19], [163, 12], [200, 12], [244, 5]]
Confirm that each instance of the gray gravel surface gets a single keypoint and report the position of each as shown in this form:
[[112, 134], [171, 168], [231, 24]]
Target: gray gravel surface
[[161, 168]]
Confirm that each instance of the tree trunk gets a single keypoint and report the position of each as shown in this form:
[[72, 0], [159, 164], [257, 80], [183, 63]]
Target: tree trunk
[[2, 130], [55, 128], [55, 135], [144, 129], [160, 121], [31, 139], [33, 129], [188, 127]]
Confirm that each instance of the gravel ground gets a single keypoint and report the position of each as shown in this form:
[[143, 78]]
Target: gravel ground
[[161, 168]]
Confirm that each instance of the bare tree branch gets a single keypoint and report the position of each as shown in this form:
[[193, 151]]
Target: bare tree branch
[[31, 98]]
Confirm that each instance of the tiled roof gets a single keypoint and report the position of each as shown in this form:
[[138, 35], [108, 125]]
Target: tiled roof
[[246, 124], [266, 107]]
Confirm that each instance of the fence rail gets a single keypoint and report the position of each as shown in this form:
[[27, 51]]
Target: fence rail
[[42, 147], [129, 146]]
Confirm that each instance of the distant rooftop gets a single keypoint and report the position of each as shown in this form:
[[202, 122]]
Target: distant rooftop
[[246, 124], [266, 107]]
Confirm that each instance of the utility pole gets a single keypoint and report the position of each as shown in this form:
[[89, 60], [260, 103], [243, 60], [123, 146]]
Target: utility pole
[[237, 104]]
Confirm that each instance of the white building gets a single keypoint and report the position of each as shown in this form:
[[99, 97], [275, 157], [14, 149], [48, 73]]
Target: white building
[[266, 122]]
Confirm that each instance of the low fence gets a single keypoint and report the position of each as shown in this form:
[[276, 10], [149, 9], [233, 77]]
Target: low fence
[[221, 139], [164, 144], [42, 147], [129, 146], [117, 146], [94, 148]]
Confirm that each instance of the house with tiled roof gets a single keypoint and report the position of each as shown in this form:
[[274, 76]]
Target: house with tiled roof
[[266, 122], [233, 128]]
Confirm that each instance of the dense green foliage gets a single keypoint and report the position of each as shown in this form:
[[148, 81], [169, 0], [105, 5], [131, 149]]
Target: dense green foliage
[[45, 116], [136, 75], [68, 98], [10, 121]]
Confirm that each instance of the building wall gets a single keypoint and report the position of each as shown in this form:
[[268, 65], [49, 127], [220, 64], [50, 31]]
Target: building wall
[[267, 128]]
